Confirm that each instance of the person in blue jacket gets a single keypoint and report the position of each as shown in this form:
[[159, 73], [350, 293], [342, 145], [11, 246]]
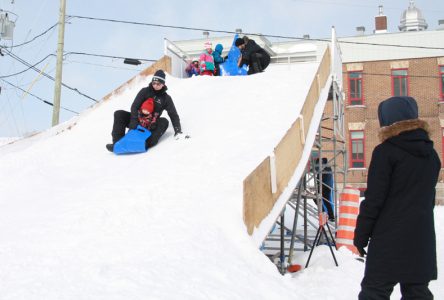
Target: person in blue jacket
[[218, 59]]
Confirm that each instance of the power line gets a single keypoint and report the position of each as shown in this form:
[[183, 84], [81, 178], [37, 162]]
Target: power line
[[74, 53], [358, 5], [47, 75], [18, 73], [37, 97], [36, 37], [100, 65], [10, 116], [254, 34], [107, 56]]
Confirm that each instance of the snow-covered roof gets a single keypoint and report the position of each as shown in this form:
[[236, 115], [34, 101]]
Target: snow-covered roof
[[368, 47], [429, 43]]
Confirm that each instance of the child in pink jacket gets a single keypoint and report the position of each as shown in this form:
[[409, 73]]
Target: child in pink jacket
[[206, 61]]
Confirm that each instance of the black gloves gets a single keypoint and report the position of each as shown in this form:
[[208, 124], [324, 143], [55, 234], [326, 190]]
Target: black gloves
[[360, 243], [361, 251]]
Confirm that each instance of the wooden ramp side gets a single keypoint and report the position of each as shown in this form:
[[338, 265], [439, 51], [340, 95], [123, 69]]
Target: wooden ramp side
[[258, 197]]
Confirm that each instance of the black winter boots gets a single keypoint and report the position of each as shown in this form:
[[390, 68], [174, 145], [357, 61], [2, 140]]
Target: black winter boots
[[110, 147]]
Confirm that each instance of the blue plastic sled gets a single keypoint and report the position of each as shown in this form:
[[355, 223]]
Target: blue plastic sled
[[229, 67], [133, 141]]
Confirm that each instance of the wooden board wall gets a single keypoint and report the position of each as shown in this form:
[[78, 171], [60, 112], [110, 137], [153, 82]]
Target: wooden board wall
[[258, 197]]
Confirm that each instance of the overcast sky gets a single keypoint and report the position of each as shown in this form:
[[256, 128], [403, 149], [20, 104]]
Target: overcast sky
[[94, 76]]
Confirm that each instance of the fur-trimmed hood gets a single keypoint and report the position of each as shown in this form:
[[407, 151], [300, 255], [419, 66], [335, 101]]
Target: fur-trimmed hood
[[395, 129], [410, 135]]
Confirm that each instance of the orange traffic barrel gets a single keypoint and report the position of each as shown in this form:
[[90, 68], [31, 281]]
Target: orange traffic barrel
[[348, 214]]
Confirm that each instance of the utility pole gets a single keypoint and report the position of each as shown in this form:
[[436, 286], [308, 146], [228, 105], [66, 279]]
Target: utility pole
[[58, 78]]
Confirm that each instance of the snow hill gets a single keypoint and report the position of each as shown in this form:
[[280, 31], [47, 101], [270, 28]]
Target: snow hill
[[78, 222]]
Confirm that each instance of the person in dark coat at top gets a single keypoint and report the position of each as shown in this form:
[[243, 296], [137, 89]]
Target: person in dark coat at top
[[252, 55], [154, 97], [396, 217]]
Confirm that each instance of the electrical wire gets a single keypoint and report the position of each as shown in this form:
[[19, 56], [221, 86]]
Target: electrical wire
[[357, 5], [75, 53], [254, 34], [37, 97], [37, 63], [107, 56], [36, 37], [47, 75], [10, 116], [100, 65]]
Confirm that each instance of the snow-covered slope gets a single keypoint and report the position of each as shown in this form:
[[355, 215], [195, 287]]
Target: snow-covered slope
[[77, 222]]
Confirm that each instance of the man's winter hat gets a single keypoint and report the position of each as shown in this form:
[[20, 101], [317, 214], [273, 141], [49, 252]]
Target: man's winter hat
[[397, 109], [159, 76], [148, 105], [208, 45], [239, 41]]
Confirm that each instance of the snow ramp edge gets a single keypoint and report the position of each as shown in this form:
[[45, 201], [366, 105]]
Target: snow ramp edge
[[267, 188]]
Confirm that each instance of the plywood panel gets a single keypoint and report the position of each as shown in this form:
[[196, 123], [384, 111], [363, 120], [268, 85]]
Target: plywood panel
[[309, 104], [287, 155], [258, 200]]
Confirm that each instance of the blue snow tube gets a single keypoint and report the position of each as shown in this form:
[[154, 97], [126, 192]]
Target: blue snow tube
[[229, 67], [133, 141]]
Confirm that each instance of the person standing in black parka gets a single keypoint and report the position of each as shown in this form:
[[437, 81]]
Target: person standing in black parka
[[256, 58], [157, 93], [396, 215]]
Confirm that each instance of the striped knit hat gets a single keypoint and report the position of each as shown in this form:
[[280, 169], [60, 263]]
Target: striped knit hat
[[159, 76]]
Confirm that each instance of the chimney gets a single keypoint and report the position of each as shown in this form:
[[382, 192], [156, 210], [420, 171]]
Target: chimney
[[360, 30], [380, 22]]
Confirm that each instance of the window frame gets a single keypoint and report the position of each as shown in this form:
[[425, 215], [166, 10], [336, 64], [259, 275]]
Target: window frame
[[442, 146], [361, 80], [351, 149], [393, 77], [441, 82]]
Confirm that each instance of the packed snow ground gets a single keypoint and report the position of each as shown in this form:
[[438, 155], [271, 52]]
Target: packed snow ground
[[77, 222]]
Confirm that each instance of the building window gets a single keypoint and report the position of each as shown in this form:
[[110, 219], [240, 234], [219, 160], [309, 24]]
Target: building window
[[400, 82], [441, 75], [357, 159], [355, 88], [442, 146]]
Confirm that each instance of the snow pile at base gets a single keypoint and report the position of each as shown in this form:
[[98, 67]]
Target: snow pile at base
[[77, 222]]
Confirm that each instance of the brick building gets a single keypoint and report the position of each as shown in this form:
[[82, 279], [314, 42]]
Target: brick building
[[381, 65]]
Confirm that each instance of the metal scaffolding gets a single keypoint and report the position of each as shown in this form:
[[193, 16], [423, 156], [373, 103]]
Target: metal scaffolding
[[328, 158]]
